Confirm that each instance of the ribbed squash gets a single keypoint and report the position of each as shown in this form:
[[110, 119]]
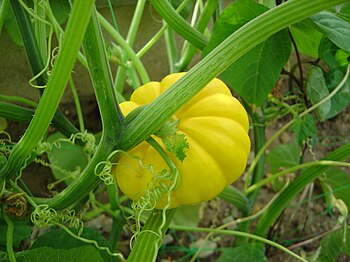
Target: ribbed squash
[[215, 125]]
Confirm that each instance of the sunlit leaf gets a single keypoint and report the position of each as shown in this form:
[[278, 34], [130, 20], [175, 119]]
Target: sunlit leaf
[[254, 75]]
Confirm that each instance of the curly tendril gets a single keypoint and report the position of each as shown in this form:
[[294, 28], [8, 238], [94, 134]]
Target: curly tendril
[[87, 138], [43, 216], [6, 144], [44, 147], [161, 184], [105, 174]]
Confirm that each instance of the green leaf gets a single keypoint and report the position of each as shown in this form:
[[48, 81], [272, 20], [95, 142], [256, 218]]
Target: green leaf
[[185, 12], [254, 75], [334, 245], [340, 100], [343, 11], [280, 158], [335, 28], [339, 181], [22, 231], [48, 254], [327, 51], [234, 196], [331, 55], [174, 142], [307, 37], [342, 57], [3, 256], [269, 3], [188, 215], [61, 165], [12, 28], [59, 239], [60, 9], [283, 156], [316, 90], [177, 144], [254, 252], [304, 128]]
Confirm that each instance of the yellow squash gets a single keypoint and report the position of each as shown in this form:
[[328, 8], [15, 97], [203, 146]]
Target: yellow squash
[[215, 125]]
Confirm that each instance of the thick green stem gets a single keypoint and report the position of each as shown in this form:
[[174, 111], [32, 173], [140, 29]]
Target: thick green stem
[[111, 116], [171, 48], [201, 25], [3, 11], [47, 107], [162, 108], [179, 24], [149, 240], [259, 170], [40, 29], [118, 221], [259, 142], [9, 237]]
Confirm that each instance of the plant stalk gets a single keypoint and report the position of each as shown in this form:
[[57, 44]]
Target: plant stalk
[[163, 107], [47, 107]]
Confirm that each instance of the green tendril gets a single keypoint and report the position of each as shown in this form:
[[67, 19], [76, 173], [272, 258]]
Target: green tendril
[[85, 137], [46, 67], [106, 172], [6, 144], [44, 216], [161, 184], [89, 241]]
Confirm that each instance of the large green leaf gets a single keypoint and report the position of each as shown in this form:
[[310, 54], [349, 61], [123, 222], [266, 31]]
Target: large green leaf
[[329, 53], [307, 37], [316, 90], [254, 252], [254, 75], [60, 239], [48, 254], [335, 28]]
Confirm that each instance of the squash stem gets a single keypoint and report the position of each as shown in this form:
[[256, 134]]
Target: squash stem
[[259, 170], [147, 244]]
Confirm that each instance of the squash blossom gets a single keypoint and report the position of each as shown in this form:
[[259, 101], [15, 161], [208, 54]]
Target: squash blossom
[[215, 126]]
